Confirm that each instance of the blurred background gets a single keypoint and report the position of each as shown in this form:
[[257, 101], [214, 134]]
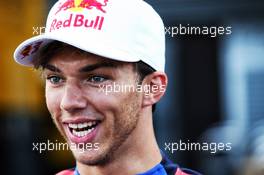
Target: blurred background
[[215, 92]]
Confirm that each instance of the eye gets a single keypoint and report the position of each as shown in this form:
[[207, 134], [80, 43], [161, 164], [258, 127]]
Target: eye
[[97, 79], [54, 79]]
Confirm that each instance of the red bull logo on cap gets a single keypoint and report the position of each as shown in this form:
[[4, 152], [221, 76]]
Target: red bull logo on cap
[[77, 5], [79, 20]]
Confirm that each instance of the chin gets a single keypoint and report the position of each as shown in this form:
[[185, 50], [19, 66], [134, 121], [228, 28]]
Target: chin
[[91, 158]]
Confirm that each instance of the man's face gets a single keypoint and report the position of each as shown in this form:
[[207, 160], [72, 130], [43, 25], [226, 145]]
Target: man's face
[[82, 112]]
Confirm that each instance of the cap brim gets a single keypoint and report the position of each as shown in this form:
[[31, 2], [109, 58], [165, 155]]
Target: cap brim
[[27, 50]]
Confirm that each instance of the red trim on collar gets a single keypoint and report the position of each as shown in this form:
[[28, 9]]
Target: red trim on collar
[[66, 172], [180, 172]]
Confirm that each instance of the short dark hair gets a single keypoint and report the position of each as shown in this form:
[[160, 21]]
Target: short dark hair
[[44, 55]]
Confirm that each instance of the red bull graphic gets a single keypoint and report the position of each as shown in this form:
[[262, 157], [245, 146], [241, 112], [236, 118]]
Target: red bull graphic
[[68, 4], [84, 4], [89, 4], [77, 20]]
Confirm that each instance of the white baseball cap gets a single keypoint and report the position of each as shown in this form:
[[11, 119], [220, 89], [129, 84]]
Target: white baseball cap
[[122, 30]]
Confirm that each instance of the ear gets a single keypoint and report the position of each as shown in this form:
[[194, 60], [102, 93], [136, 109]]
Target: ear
[[154, 86]]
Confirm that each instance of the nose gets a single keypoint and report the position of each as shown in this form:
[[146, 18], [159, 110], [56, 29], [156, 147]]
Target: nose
[[73, 99]]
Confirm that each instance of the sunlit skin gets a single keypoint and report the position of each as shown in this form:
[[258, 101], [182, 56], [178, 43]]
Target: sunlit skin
[[125, 136]]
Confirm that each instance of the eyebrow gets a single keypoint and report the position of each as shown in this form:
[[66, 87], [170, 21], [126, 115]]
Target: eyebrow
[[52, 68], [84, 69], [90, 68]]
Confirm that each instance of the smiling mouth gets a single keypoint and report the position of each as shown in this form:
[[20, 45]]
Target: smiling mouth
[[82, 129]]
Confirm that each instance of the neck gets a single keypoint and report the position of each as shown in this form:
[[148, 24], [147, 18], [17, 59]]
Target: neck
[[139, 153]]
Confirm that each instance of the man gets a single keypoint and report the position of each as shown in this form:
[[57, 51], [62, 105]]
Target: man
[[89, 48]]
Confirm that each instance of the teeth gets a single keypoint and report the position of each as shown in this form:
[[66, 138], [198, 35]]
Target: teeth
[[82, 133], [81, 125], [74, 126], [80, 129], [85, 125]]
